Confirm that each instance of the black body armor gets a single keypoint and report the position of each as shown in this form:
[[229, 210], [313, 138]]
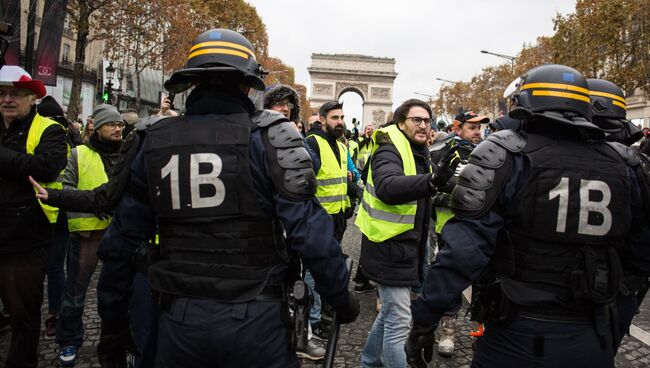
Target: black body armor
[[215, 241], [572, 215]]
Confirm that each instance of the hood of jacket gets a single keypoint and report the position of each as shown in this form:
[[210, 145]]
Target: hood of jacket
[[277, 92]]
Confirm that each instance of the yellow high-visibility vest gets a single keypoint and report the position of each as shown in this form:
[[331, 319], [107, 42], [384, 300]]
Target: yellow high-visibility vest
[[332, 177], [377, 220], [91, 174], [363, 154], [39, 124]]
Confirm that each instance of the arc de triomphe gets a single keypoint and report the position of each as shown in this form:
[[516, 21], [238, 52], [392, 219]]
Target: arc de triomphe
[[370, 77]]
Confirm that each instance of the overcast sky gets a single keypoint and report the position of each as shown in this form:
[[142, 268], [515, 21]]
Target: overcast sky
[[428, 39]]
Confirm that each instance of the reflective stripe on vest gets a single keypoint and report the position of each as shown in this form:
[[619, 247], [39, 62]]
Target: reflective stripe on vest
[[39, 124], [91, 174], [377, 220], [332, 177]]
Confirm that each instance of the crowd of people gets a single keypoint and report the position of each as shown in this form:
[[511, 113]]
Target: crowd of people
[[214, 226]]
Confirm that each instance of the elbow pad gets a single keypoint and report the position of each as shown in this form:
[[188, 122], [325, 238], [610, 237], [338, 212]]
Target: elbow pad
[[291, 167]]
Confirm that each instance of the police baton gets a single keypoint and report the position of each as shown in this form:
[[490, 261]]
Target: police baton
[[336, 325]]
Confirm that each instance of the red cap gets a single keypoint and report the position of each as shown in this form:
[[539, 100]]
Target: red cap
[[13, 75]]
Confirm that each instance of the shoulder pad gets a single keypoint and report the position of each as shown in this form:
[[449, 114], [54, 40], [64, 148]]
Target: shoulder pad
[[144, 123], [508, 139], [265, 118], [476, 177], [284, 135], [628, 154], [292, 171], [488, 154]]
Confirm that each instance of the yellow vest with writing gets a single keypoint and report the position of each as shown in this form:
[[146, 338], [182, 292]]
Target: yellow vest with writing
[[39, 124], [91, 174]]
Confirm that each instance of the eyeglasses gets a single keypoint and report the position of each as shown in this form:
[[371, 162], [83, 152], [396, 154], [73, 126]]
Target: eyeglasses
[[287, 104], [115, 125], [417, 121], [14, 93]]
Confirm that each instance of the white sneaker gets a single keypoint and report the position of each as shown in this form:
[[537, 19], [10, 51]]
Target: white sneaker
[[446, 342], [312, 352]]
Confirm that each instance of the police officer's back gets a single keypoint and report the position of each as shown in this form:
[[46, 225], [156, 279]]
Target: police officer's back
[[545, 223], [228, 189]]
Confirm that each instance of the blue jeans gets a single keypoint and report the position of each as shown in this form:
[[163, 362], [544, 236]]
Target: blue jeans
[[82, 261], [314, 311], [385, 344], [55, 271]]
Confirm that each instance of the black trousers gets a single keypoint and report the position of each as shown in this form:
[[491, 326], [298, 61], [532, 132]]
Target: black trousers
[[21, 289], [542, 344], [197, 333]]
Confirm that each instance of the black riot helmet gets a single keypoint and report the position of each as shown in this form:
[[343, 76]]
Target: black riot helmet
[[609, 111], [217, 52], [557, 92]]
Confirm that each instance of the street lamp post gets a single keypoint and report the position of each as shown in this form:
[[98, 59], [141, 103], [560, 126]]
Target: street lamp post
[[110, 73], [503, 56], [447, 80]]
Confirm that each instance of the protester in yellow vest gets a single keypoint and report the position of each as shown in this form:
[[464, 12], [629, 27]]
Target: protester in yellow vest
[[36, 146], [394, 220], [332, 185], [88, 168], [364, 147], [332, 176]]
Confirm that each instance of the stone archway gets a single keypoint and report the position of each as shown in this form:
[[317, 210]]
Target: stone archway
[[370, 77]]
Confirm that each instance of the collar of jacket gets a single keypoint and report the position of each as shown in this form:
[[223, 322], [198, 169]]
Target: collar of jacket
[[21, 124], [205, 100]]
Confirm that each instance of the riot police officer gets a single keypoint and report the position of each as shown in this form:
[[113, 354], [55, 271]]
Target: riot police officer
[[545, 223], [230, 193], [609, 110]]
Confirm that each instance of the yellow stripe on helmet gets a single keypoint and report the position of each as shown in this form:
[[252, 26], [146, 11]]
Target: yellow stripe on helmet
[[218, 51], [608, 95], [562, 94], [556, 86], [622, 105], [232, 45]]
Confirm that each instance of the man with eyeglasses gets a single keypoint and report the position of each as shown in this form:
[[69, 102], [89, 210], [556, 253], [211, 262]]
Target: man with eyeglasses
[[88, 168], [29, 145], [283, 99], [466, 135], [394, 220]]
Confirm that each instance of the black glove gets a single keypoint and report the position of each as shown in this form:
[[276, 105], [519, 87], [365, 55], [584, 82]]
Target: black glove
[[419, 345], [446, 168], [115, 340], [348, 312]]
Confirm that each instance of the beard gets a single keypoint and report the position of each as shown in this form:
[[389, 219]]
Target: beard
[[335, 132]]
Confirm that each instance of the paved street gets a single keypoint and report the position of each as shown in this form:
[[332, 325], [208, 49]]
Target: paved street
[[633, 354]]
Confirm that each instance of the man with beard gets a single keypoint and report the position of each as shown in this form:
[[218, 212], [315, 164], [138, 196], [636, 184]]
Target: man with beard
[[466, 135], [394, 221], [331, 191], [333, 173]]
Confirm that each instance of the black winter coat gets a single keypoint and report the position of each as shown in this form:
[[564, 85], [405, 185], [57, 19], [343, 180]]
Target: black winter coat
[[398, 260], [23, 225]]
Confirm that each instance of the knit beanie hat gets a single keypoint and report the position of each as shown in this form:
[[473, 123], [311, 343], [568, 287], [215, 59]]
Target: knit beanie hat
[[105, 114], [49, 107]]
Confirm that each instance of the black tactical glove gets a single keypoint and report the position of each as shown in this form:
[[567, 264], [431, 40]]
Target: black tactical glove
[[348, 312], [115, 341], [446, 168], [419, 345]]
